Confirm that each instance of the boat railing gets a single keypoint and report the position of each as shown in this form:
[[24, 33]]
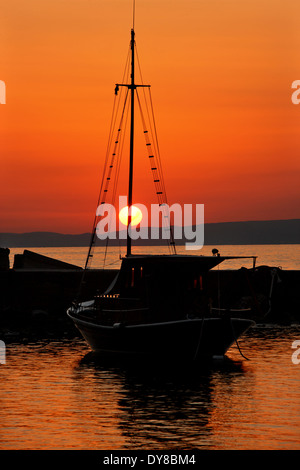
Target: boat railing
[[108, 296]]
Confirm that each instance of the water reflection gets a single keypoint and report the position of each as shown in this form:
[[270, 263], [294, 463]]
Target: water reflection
[[163, 406], [57, 395]]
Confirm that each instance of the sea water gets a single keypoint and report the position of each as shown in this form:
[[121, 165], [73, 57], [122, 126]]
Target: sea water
[[284, 256], [58, 395]]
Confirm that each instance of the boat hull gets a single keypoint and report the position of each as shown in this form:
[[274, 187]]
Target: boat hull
[[187, 339]]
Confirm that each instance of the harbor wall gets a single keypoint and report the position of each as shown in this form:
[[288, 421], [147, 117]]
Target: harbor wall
[[35, 294]]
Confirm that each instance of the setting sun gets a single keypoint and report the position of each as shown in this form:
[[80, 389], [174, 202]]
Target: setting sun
[[136, 215]]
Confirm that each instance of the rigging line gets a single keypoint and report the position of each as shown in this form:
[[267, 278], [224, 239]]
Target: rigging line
[[92, 240], [107, 150], [156, 140], [139, 65], [126, 73], [157, 175], [151, 121], [118, 164], [148, 143], [127, 63], [152, 124], [115, 113], [122, 138], [120, 144], [119, 137], [101, 198], [125, 76], [219, 289], [161, 171], [114, 118], [145, 99], [151, 118], [111, 131], [160, 194], [236, 341]]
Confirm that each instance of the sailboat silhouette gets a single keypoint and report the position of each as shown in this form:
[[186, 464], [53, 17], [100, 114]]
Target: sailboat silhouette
[[158, 305]]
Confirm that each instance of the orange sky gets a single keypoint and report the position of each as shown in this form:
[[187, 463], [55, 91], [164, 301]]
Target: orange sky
[[221, 74]]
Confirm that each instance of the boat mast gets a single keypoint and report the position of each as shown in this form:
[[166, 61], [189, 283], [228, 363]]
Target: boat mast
[[132, 88]]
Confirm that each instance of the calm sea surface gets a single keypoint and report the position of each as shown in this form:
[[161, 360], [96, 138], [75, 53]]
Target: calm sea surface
[[58, 395], [285, 256]]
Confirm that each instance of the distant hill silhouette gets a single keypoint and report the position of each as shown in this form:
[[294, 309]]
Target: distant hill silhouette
[[225, 233]]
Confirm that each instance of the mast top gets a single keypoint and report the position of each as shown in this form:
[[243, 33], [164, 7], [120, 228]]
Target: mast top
[[133, 15]]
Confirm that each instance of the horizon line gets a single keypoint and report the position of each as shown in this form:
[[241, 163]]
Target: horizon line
[[161, 227]]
